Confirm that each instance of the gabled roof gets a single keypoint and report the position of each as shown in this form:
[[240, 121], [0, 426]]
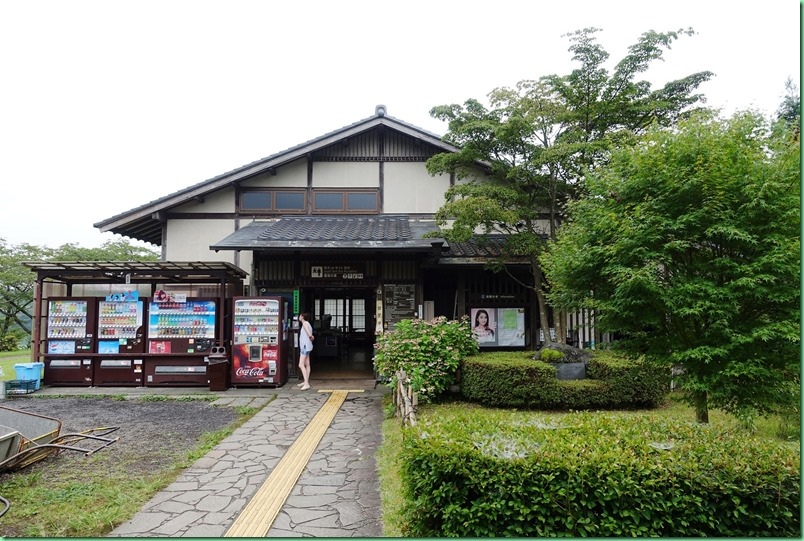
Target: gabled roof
[[143, 222]]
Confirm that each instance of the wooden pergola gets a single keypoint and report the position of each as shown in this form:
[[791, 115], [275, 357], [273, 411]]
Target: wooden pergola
[[154, 273]]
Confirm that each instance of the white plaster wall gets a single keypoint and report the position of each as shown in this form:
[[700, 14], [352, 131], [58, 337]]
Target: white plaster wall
[[346, 174], [219, 201], [245, 262], [410, 188], [292, 175], [189, 240]]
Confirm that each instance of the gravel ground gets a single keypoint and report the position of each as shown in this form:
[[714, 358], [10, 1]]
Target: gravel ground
[[152, 434]]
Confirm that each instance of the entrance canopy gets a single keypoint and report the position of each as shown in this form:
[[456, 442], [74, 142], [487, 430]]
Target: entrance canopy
[[397, 233]]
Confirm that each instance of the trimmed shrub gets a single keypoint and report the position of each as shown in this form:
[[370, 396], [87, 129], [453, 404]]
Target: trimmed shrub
[[631, 381], [514, 379], [504, 378], [594, 476]]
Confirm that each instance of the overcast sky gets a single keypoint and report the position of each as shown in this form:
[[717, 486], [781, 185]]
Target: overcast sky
[[107, 105]]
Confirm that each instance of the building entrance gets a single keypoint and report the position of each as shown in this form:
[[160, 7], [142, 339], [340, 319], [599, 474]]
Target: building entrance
[[343, 321]]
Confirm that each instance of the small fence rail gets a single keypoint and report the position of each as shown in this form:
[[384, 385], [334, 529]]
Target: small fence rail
[[405, 399]]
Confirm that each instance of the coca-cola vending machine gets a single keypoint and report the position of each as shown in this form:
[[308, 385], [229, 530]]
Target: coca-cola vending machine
[[259, 340]]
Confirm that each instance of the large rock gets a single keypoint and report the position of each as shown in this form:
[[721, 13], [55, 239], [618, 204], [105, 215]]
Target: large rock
[[571, 354]]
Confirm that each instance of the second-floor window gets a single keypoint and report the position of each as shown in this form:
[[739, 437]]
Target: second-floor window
[[324, 201], [279, 201], [354, 201]]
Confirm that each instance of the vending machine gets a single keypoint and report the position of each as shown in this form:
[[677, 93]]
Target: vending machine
[[181, 327], [120, 326], [181, 333], [70, 324], [259, 340], [120, 331]]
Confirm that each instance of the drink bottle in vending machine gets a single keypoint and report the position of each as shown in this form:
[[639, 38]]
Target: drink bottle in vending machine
[[259, 342]]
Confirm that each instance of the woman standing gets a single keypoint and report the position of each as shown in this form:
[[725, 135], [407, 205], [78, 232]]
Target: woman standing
[[305, 347]]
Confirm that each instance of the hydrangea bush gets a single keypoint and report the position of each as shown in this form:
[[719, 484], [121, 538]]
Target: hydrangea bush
[[429, 352]]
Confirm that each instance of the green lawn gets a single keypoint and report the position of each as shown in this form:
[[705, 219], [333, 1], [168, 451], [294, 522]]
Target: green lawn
[[9, 358]]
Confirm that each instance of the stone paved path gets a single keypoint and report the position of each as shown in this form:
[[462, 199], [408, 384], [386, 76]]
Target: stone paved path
[[337, 494]]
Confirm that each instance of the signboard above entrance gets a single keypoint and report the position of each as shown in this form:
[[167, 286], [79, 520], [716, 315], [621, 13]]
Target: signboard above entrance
[[349, 271]]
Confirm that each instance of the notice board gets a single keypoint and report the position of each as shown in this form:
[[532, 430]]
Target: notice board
[[400, 302]]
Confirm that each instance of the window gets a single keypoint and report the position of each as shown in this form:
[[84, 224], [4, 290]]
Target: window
[[325, 201], [361, 201], [328, 201], [356, 201], [287, 201], [347, 315], [256, 201]]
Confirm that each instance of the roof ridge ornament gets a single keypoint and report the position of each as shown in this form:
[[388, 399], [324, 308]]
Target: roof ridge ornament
[[380, 110]]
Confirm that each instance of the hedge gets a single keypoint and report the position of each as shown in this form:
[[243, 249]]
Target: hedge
[[515, 379], [595, 475]]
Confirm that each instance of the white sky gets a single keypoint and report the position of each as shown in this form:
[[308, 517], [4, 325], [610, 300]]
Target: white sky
[[106, 105]]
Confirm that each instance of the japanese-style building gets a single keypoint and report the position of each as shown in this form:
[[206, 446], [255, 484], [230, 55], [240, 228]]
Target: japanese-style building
[[337, 226]]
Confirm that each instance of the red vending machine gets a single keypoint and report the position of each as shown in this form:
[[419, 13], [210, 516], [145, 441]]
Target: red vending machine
[[259, 341], [181, 333], [70, 334], [121, 330]]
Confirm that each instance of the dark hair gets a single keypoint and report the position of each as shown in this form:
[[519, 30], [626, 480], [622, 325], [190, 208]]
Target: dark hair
[[477, 315], [306, 316]]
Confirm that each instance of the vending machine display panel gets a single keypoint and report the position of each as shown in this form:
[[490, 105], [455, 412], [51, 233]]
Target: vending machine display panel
[[120, 327], [69, 326], [181, 327]]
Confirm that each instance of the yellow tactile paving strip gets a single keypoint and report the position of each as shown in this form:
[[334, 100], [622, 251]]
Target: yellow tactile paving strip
[[259, 514]]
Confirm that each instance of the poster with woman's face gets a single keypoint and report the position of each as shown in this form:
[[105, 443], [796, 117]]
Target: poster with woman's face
[[484, 326]]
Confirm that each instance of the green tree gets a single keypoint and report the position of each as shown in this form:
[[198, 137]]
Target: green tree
[[537, 140], [17, 281], [790, 108], [688, 247], [119, 250], [17, 288]]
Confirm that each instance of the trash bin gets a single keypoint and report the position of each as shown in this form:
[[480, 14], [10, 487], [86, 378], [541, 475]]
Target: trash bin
[[217, 371], [30, 372]]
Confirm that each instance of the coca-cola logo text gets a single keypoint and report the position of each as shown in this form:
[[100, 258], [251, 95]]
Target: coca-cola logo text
[[252, 372]]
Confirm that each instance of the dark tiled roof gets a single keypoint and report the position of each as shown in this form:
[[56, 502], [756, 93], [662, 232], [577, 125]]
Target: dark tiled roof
[[477, 251], [332, 232], [340, 228], [475, 248], [397, 232]]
